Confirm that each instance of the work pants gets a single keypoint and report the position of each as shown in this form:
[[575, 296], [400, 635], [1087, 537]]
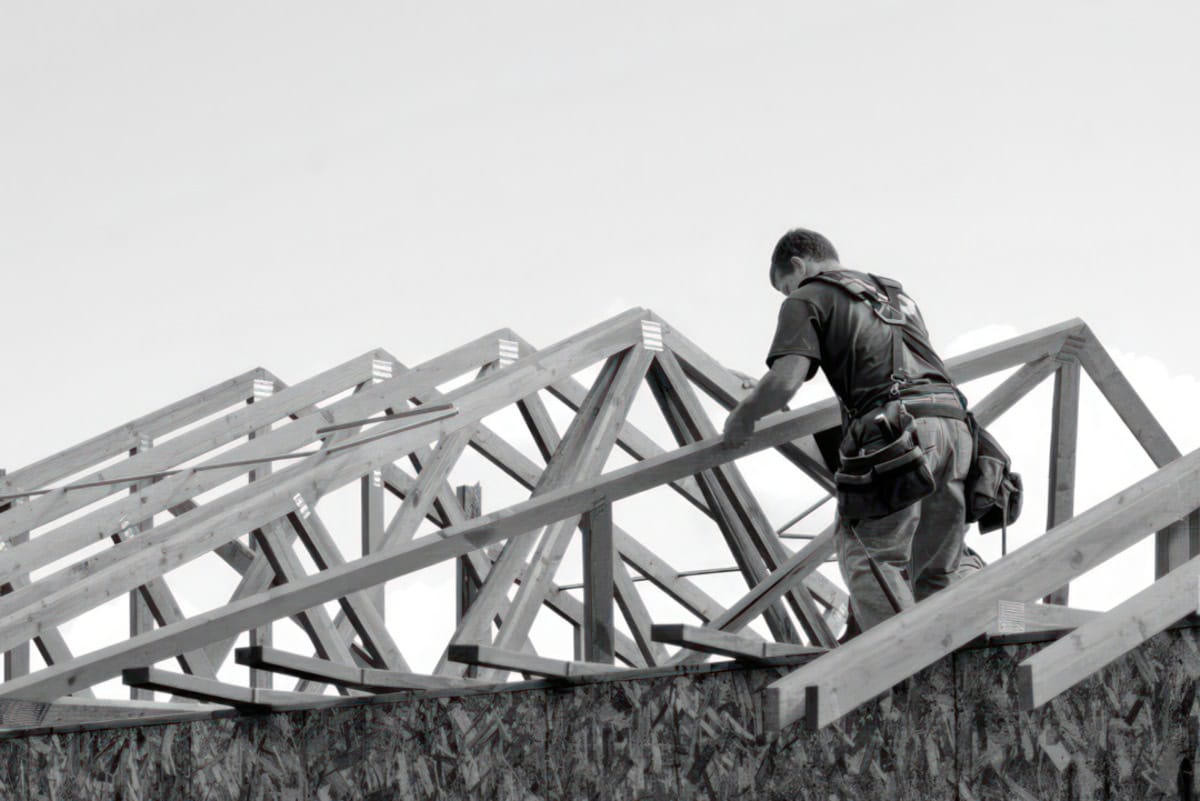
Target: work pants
[[924, 539]]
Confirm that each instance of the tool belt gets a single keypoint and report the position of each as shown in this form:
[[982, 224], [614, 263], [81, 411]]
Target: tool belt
[[884, 464]]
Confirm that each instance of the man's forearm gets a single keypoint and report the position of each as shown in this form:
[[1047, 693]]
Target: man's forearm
[[771, 394]]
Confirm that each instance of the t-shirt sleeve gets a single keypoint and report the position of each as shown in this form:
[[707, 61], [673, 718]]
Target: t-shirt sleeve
[[797, 333]]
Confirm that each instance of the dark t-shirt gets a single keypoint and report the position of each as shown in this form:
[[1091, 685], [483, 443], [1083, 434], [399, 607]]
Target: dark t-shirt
[[851, 344]]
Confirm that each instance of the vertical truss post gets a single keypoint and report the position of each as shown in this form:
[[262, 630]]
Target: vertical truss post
[[140, 618], [597, 529], [16, 661], [466, 583], [1064, 435], [372, 530], [262, 635]]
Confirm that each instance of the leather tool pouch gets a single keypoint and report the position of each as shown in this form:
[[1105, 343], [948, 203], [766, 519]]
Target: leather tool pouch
[[883, 466], [993, 491]]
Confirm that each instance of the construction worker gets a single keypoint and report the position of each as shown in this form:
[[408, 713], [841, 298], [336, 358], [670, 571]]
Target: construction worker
[[897, 398]]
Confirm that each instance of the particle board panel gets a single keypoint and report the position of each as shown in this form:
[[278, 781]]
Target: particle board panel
[[898, 746], [1155, 714], [254, 757], [1056, 751], [644, 763], [133, 764], [332, 744], [14, 764], [478, 746], [579, 743]]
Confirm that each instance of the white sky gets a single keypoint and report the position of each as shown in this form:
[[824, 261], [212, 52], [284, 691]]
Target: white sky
[[192, 190]]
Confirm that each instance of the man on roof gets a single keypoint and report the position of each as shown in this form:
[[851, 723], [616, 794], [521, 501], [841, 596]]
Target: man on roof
[[906, 447]]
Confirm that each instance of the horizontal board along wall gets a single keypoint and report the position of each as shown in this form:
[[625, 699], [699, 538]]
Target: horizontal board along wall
[[953, 731]]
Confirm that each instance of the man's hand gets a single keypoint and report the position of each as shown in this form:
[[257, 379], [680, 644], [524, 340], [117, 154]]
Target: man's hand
[[738, 427]]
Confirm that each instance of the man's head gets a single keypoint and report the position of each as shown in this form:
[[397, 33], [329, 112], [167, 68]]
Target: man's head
[[800, 254]]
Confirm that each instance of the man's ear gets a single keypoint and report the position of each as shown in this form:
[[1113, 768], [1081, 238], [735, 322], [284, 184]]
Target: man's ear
[[799, 265]]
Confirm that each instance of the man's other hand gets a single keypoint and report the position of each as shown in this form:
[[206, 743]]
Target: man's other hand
[[738, 427]]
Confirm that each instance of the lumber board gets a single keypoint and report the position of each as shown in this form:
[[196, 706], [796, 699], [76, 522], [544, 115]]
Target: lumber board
[[323, 671], [636, 615], [1012, 389], [714, 641], [763, 594], [120, 439], [1104, 638], [327, 585], [874, 661], [742, 501], [733, 529], [188, 445], [630, 438], [130, 563], [598, 583], [359, 607], [505, 660], [210, 690], [1064, 436], [1018, 617], [593, 448]]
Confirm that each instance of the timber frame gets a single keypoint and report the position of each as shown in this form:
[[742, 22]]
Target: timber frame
[[240, 468]]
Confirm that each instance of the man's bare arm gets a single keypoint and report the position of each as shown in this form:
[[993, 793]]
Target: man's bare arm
[[776, 388]]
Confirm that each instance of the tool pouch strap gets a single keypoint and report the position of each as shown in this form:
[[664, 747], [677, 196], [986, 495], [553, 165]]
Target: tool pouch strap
[[884, 468]]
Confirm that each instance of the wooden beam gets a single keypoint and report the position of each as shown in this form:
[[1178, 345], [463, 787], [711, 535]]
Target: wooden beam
[[323, 671], [210, 690], [587, 454], [358, 607], [188, 445], [120, 439], [754, 521], [1175, 544], [770, 589], [371, 505], [132, 562], [874, 661], [596, 525], [520, 519], [1018, 617], [16, 659], [733, 529], [505, 661], [714, 641], [1064, 435], [262, 635], [1013, 389], [1097, 642]]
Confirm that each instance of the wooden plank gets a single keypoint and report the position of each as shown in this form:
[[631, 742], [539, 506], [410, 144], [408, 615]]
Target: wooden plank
[[630, 439], [636, 615], [371, 506], [1176, 544], [262, 635], [358, 607], [504, 660], [325, 672], [596, 526], [1064, 436], [144, 557], [512, 522], [1099, 641], [16, 659], [189, 445], [467, 581], [877, 659], [586, 455], [1013, 389], [1017, 617], [210, 690], [120, 439], [714, 641], [737, 492], [733, 529]]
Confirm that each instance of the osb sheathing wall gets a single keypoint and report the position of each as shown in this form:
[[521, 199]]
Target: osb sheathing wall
[[953, 732]]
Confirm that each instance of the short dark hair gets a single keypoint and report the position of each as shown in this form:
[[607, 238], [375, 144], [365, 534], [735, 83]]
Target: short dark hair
[[803, 243]]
